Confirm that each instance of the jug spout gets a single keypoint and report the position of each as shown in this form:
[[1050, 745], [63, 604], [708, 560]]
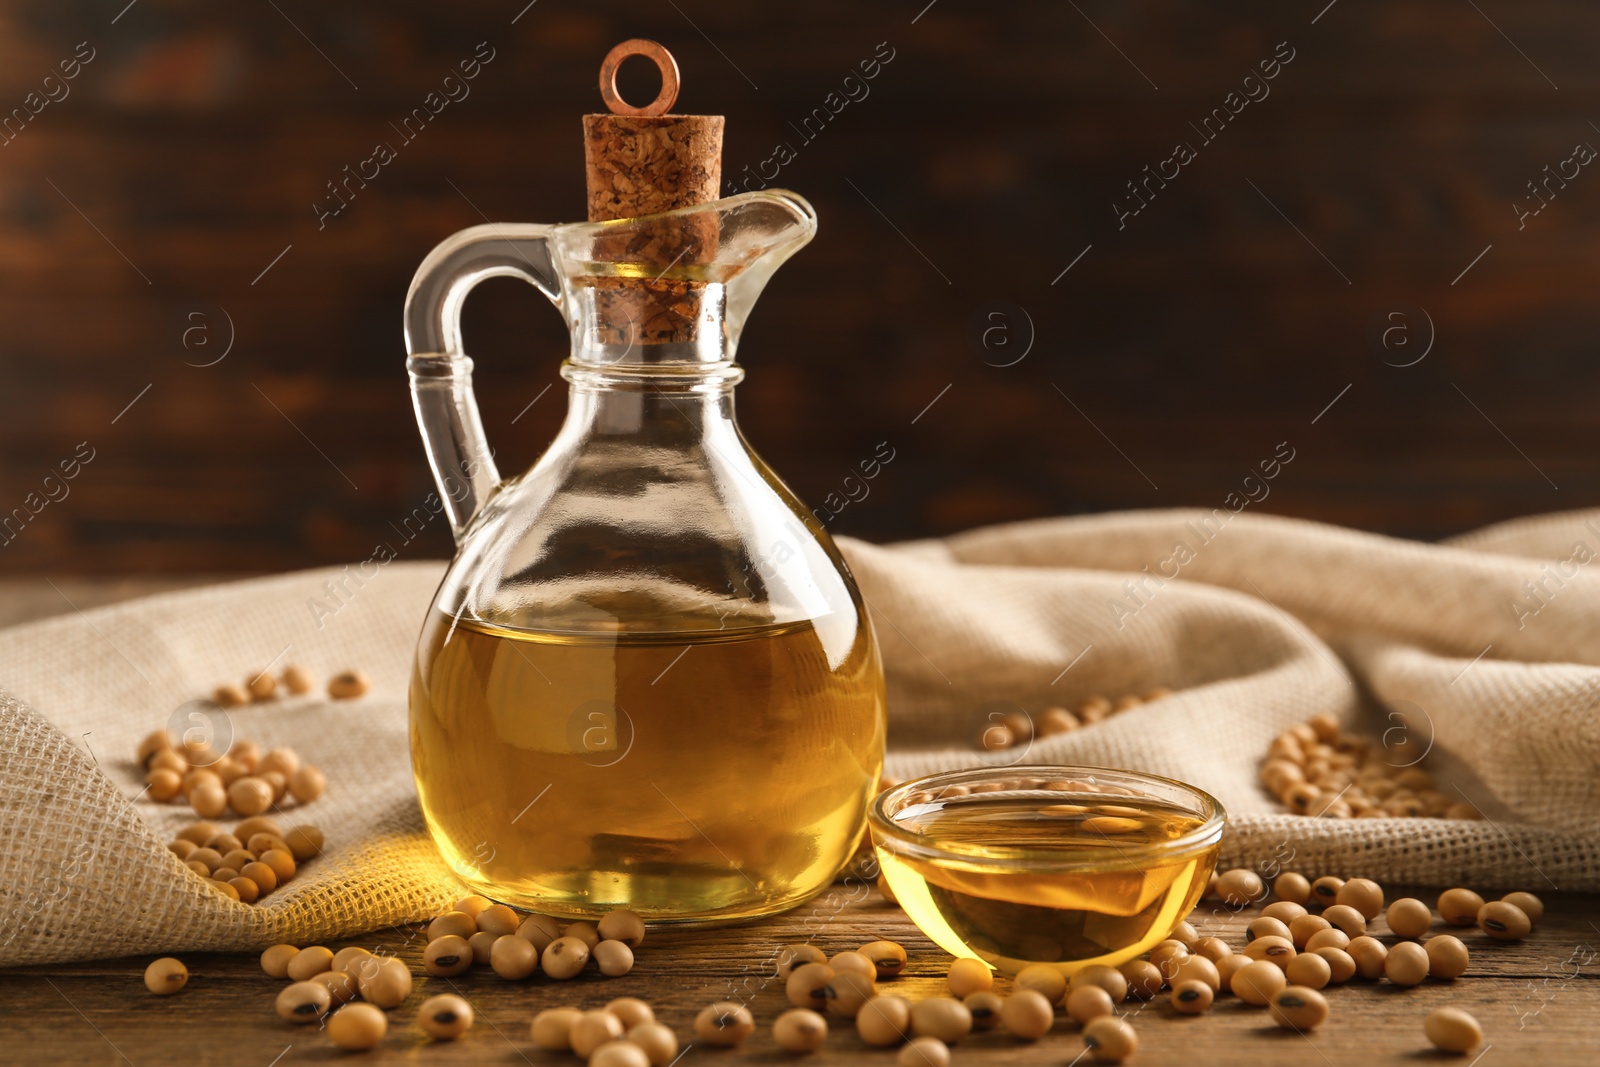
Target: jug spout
[[676, 287]]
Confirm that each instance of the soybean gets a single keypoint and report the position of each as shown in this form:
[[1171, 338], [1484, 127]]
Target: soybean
[[1406, 964], [1346, 918], [614, 958], [1088, 1002], [1284, 911], [1369, 954], [281, 862], [1409, 917], [1504, 921], [1310, 970], [499, 919], [1044, 979], [1167, 955], [164, 783], [592, 1029], [551, 1029], [622, 925], [1265, 926], [848, 992], [1325, 890], [265, 878], [1341, 967], [585, 932], [945, 1018], [1197, 969], [445, 1016], [658, 1042], [1144, 978], [1306, 927], [884, 1021], [924, 1052], [792, 957], [229, 696], [1362, 894], [1240, 886], [1452, 1030], [310, 962], [448, 956], [346, 958], [481, 944], [1329, 938], [631, 1011], [347, 685], [1292, 887], [357, 1026], [886, 957], [303, 1002], [1299, 1008], [458, 923], [539, 931], [1275, 950], [564, 957], [1257, 983], [165, 976], [275, 960], [1447, 956], [1229, 966], [304, 842], [968, 976], [799, 1030], [513, 958], [619, 1053], [341, 986], [985, 1008], [724, 1024], [843, 962], [1108, 978], [1531, 905], [807, 986], [262, 686], [1027, 1015], [1192, 997], [297, 679], [387, 984], [306, 784], [1459, 907], [1110, 1040], [472, 904]]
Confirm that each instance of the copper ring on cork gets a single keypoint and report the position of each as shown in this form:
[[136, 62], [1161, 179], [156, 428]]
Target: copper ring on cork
[[656, 54]]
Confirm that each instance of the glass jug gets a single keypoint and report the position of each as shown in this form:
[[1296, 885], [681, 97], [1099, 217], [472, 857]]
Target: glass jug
[[647, 679]]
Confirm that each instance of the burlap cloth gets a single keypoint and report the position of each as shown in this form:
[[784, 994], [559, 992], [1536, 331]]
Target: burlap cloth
[[1268, 622]]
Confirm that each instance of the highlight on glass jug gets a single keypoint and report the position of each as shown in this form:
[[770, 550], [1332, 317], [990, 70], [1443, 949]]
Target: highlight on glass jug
[[647, 679]]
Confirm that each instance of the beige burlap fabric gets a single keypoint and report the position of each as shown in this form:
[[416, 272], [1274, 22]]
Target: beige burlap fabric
[[1489, 644]]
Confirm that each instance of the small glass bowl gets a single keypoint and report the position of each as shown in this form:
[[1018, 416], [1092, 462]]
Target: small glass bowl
[[1069, 866]]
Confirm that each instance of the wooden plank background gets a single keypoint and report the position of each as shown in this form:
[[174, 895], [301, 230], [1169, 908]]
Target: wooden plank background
[[1171, 358]]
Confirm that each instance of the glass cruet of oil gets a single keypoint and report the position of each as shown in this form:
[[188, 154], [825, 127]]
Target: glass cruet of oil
[[647, 679]]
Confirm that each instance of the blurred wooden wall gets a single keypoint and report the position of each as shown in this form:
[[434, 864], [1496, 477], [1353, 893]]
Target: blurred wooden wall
[[185, 158]]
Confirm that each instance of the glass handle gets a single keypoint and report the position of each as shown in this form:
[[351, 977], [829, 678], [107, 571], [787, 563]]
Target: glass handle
[[441, 374]]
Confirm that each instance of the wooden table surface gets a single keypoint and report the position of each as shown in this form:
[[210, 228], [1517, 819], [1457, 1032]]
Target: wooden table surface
[[1538, 1000]]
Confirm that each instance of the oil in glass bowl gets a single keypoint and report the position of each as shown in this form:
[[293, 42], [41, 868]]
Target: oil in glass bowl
[[1065, 866]]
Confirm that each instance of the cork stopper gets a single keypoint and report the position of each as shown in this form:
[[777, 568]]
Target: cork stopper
[[643, 161]]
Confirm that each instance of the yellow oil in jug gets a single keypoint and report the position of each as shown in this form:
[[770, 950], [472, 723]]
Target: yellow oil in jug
[[698, 775]]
